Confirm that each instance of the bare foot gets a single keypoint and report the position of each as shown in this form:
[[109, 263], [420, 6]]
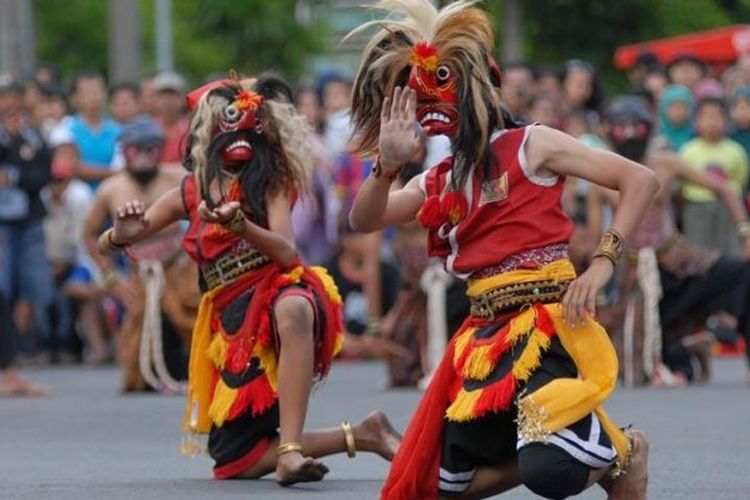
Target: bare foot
[[377, 435], [294, 468], [15, 386], [633, 482]]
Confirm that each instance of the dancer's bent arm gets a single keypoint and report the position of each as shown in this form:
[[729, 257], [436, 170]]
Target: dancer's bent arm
[[550, 152], [277, 242]]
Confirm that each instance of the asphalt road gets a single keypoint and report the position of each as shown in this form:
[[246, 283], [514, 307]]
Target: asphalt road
[[88, 442]]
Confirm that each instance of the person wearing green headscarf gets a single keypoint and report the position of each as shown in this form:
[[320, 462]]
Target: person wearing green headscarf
[[676, 110]]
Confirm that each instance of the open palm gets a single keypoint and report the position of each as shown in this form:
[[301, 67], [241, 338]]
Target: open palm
[[399, 130]]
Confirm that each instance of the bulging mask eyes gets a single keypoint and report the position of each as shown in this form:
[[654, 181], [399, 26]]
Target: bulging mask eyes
[[231, 113], [443, 73]]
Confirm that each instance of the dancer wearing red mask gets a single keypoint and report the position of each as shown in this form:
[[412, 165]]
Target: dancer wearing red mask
[[518, 395]]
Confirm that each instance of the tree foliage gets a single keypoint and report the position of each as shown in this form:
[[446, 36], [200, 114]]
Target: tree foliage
[[209, 35]]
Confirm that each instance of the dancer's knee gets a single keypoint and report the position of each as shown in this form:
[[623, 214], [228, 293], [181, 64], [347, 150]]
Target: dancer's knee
[[550, 472], [294, 316]]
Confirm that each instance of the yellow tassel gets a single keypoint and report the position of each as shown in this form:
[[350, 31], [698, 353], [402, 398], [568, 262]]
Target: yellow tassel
[[521, 325], [295, 274], [461, 343], [477, 366], [531, 357], [330, 286], [222, 402], [462, 409], [339, 343], [531, 419], [268, 363], [217, 351]]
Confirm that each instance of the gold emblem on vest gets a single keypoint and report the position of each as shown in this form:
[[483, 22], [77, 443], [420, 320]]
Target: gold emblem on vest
[[494, 190]]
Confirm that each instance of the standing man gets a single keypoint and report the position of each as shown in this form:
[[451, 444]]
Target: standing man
[[25, 272]]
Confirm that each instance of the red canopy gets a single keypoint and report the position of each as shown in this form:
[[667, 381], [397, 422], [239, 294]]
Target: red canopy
[[719, 46]]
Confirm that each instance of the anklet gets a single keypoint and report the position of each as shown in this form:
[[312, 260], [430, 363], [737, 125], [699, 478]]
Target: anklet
[[288, 448], [351, 449]]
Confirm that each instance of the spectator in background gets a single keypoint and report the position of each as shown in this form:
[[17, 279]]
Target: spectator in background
[[335, 95], [124, 102], [655, 81], [48, 75], [644, 63], [170, 114], [95, 135], [732, 78], [543, 109], [33, 100], [148, 95], [314, 217], [55, 109], [739, 111], [67, 201], [676, 110], [686, 69], [548, 82], [709, 87], [706, 220], [518, 88], [25, 274], [348, 271], [581, 87]]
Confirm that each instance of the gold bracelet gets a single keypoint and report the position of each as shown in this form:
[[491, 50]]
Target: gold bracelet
[[107, 246], [611, 246], [236, 226], [288, 448], [351, 448]]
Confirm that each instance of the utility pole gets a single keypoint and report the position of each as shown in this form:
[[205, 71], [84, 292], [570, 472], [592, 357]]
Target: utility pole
[[16, 38], [164, 35], [512, 30], [124, 41]]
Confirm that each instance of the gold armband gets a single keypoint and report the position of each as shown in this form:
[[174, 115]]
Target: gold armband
[[611, 246], [236, 225], [107, 246], [743, 229]]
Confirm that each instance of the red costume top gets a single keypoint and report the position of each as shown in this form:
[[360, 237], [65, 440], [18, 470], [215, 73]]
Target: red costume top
[[512, 212]]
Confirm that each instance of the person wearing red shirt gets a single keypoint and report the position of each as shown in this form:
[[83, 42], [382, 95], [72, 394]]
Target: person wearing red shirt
[[267, 325], [517, 398]]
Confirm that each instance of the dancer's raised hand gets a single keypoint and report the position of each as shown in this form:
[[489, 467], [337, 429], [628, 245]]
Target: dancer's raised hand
[[399, 131], [129, 221]]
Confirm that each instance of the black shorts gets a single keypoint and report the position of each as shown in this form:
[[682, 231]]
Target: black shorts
[[239, 443], [493, 439]]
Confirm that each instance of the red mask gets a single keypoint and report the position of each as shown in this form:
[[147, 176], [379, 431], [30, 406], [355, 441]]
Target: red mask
[[242, 114], [435, 85]]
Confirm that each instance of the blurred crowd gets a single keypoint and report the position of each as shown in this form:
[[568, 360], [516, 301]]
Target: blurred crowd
[[59, 140]]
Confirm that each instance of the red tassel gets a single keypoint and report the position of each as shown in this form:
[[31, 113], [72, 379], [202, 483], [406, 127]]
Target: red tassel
[[431, 215], [543, 321], [238, 354], [500, 346], [257, 396], [454, 206], [496, 397]]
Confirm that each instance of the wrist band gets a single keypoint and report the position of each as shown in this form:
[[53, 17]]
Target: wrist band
[[236, 225], [611, 246], [107, 246], [377, 171], [743, 229]]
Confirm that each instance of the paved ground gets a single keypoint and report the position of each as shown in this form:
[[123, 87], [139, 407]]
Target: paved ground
[[87, 442]]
